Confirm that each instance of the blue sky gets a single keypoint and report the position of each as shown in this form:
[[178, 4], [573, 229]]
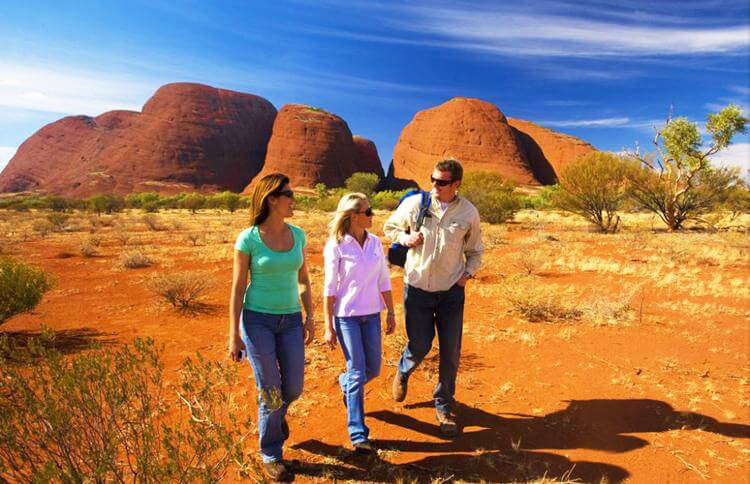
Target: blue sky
[[606, 71]]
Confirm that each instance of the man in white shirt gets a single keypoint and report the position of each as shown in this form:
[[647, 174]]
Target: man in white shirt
[[444, 254]]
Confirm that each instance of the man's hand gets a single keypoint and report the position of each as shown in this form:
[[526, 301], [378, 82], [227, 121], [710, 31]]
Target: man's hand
[[414, 239], [390, 322], [462, 280]]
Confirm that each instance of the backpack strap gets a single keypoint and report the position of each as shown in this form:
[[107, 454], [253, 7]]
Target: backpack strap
[[424, 207]]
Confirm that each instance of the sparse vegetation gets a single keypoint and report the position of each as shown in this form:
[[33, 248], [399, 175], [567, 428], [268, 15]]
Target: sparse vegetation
[[679, 183], [594, 187], [362, 183], [494, 197], [182, 290], [21, 287], [135, 259], [112, 416]]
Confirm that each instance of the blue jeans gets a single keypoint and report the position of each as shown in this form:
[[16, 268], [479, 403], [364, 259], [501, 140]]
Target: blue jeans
[[359, 337], [425, 311], [276, 350]]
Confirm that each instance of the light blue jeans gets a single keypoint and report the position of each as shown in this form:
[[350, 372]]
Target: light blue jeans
[[359, 337], [276, 350]]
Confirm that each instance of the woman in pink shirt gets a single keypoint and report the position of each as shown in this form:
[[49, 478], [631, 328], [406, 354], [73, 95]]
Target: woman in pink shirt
[[357, 285]]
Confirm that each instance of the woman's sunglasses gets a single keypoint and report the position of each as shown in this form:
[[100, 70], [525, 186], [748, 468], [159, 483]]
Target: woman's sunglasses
[[439, 182], [367, 212]]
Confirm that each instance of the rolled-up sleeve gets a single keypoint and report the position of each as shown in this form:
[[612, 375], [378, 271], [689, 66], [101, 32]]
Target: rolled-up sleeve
[[331, 268], [474, 248]]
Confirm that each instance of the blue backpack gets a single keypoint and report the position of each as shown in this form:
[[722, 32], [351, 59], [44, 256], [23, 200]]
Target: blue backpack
[[397, 252]]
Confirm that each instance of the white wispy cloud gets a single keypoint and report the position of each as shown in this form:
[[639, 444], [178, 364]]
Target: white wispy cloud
[[507, 30], [6, 153], [588, 123], [69, 92], [737, 154], [741, 90]]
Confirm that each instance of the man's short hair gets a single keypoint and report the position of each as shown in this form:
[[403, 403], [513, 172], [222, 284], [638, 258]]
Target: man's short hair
[[452, 166]]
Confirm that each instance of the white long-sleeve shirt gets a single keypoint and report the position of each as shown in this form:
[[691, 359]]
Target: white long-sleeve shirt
[[452, 242], [356, 275]]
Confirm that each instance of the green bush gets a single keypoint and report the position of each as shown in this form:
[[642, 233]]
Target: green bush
[[362, 183], [542, 199], [387, 199], [21, 287], [57, 220], [193, 202], [105, 203], [112, 416], [493, 196], [595, 187]]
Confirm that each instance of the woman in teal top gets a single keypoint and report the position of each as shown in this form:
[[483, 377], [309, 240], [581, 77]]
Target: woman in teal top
[[268, 323]]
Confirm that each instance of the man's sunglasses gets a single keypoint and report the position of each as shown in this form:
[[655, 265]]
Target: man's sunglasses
[[439, 182], [286, 193], [367, 212]]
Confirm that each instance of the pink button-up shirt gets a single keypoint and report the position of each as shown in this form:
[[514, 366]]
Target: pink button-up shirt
[[355, 275]]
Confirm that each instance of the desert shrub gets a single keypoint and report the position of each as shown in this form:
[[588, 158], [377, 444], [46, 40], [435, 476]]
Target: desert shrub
[[182, 290], [194, 238], [135, 259], [21, 287], [529, 261], [493, 196], [594, 187], [105, 203], [112, 416], [225, 200], [538, 303], [193, 202], [57, 220], [541, 200], [153, 222], [41, 227], [87, 249], [362, 183], [387, 199]]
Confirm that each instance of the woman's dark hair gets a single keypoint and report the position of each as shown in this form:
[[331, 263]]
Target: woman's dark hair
[[268, 186]]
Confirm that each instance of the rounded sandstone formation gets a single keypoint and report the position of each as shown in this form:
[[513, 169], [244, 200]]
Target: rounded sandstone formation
[[313, 146], [188, 137], [548, 151], [472, 131]]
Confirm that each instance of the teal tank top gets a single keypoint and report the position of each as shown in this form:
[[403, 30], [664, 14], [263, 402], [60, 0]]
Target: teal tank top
[[273, 275]]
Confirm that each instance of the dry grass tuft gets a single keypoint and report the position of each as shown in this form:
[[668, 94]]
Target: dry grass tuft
[[182, 290], [135, 259]]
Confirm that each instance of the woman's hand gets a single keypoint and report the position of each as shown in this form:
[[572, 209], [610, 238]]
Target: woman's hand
[[330, 337], [390, 322], [235, 347], [309, 329]]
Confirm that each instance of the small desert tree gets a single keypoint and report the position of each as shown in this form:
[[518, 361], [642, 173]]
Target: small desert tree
[[678, 182], [595, 187], [362, 183], [492, 195]]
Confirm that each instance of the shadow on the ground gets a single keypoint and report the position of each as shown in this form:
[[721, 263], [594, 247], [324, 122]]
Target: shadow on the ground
[[66, 341], [506, 447]]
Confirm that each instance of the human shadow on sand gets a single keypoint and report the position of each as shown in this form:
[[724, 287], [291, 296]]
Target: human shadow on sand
[[584, 424]]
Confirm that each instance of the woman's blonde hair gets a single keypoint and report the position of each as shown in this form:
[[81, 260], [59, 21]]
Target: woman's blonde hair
[[267, 186], [342, 220]]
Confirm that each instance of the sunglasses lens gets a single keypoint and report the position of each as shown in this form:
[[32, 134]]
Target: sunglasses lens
[[368, 212], [440, 183]]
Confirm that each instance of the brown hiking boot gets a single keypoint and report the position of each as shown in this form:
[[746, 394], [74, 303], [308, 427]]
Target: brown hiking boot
[[364, 448], [398, 388], [276, 471], [448, 425]]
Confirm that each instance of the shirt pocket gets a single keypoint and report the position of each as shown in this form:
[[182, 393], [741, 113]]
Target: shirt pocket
[[455, 232]]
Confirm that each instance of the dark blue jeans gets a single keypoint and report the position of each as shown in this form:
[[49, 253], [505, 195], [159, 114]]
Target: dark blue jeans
[[276, 350], [360, 341], [426, 311]]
